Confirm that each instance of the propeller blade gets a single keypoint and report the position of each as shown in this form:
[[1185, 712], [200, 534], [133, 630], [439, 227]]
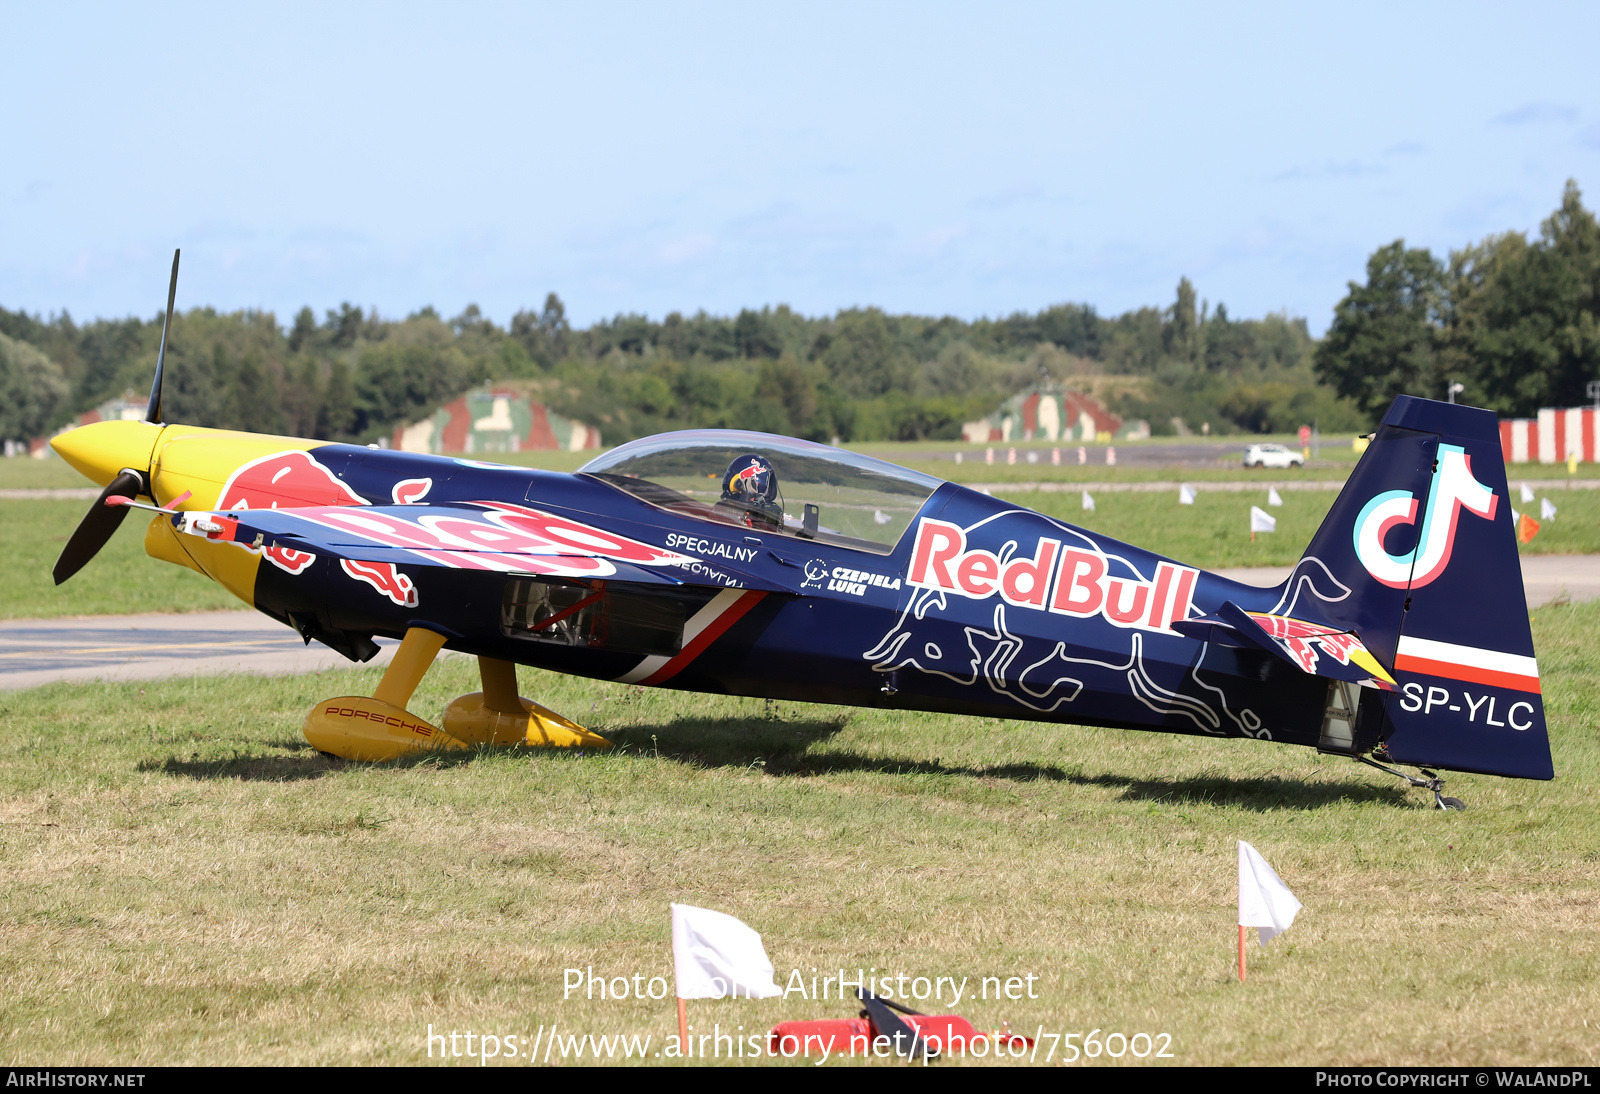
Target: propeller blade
[[153, 412], [99, 524]]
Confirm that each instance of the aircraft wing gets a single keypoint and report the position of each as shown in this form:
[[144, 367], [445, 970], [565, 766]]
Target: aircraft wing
[[489, 536]]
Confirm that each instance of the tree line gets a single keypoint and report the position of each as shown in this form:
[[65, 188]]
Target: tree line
[[861, 374], [1515, 322]]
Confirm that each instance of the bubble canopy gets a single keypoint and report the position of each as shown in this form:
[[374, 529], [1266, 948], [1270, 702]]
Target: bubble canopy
[[823, 494]]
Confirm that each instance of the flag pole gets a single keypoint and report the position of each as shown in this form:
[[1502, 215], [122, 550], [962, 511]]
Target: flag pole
[[683, 1016], [1241, 963]]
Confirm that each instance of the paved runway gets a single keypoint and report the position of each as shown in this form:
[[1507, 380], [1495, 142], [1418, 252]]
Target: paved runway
[[147, 647]]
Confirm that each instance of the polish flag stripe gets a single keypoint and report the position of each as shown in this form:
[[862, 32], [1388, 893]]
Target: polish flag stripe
[[1470, 663]]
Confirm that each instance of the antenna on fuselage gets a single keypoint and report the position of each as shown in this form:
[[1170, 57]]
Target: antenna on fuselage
[[153, 413]]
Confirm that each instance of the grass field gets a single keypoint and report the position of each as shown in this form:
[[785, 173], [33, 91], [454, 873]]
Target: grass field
[[121, 579], [186, 882]]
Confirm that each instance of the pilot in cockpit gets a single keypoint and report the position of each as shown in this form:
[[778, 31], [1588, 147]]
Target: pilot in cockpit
[[750, 493]]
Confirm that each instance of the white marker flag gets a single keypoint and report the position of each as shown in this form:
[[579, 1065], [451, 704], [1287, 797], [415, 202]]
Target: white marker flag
[[1185, 495], [714, 956], [1516, 518], [1265, 902], [1527, 494], [1272, 496], [1262, 521], [1088, 502], [1546, 510]]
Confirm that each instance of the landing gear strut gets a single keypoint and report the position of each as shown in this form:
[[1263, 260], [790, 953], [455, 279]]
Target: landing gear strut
[[1430, 781], [356, 727]]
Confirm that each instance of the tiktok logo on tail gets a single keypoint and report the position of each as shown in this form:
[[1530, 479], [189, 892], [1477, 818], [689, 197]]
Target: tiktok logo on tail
[[1454, 488]]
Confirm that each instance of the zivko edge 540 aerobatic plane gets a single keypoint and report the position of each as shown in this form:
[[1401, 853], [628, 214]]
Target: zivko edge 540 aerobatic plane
[[747, 564]]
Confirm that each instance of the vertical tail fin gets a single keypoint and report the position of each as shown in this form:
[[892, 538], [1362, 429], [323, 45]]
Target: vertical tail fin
[[1422, 539]]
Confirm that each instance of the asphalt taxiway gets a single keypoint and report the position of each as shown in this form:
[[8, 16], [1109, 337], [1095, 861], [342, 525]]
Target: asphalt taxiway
[[148, 647]]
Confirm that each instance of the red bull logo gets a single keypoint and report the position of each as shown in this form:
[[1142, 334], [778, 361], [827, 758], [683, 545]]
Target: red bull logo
[[510, 538], [1068, 581], [384, 577], [285, 480], [1454, 488], [410, 491], [1302, 640], [288, 559]]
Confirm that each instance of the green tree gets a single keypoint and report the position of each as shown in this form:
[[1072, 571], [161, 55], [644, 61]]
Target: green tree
[[32, 389], [862, 357], [337, 416], [396, 383], [756, 335], [1524, 326], [1385, 335], [1179, 335], [305, 330]]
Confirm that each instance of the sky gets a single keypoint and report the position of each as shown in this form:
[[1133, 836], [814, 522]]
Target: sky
[[963, 159]]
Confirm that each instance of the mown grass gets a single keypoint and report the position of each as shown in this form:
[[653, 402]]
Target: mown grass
[[121, 579], [22, 473], [186, 882]]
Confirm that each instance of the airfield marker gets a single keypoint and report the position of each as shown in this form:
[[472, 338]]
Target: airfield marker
[[1265, 902], [1261, 521], [714, 956]]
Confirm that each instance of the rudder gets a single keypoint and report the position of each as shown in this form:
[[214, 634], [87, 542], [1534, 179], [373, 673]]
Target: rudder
[[1422, 536]]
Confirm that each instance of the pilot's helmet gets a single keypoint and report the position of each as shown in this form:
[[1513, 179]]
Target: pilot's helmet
[[751, 482]]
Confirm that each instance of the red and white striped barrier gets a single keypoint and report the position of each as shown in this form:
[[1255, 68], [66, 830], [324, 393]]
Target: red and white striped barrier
[[1556, 434]]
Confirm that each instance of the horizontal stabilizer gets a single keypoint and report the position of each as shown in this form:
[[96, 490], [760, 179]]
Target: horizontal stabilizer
[[1315, 648]]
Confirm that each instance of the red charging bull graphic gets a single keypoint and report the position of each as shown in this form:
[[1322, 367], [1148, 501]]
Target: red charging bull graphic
[[285, 480], [288, 559], [384, 577], [1069, 581], [507, 537], [1301, 640], [1454, 488]]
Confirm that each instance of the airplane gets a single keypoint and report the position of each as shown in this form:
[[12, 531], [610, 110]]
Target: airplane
[[747, 564]]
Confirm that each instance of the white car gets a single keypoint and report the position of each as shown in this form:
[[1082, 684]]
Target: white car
[[1271, 455]]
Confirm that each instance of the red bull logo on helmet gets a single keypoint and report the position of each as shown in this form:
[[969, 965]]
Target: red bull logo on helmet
[[1070, 581], [1454, 488]]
